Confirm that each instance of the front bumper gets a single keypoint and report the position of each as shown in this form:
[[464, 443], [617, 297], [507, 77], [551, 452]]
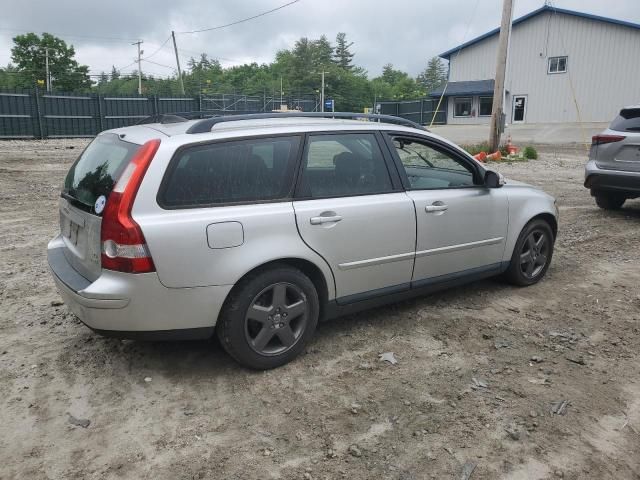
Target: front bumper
[[135, 306], [601, 180]]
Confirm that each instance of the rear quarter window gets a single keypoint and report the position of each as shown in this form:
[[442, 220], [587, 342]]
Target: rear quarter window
[[251, 170]]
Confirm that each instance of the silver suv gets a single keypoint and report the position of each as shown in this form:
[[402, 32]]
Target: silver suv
[[613, 171], [256, 227]]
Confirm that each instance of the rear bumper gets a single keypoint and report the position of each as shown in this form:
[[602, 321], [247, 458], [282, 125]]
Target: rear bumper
[[600, 180], [135, 306]]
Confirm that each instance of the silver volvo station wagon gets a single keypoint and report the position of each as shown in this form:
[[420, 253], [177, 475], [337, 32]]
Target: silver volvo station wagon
[[255, 227]]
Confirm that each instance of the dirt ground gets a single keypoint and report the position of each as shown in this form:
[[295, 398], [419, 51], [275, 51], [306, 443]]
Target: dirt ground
[[480, 368]]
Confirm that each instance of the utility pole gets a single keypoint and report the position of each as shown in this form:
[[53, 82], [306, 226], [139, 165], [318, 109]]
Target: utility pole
[[140, 52], [46, 66], [175, 49], [501, 68], [281, 93], [322, 94]]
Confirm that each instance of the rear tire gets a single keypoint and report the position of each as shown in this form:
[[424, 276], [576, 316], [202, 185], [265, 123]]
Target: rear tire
[[609, 201], [269, 317], [532, 254]]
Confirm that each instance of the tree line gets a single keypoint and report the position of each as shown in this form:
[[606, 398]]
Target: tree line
[[297, 69]]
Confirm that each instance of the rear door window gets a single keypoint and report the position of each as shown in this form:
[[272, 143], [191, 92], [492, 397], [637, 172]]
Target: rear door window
[[344, 165], [250, 170], [627, 121], [97, 169]]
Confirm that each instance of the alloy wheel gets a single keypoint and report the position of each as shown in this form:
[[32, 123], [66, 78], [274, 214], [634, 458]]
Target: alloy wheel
[[276, 319], [534, 254]]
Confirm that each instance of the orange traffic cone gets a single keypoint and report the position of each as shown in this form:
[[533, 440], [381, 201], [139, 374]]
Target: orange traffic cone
[[495, 156], [481, 157], [511, 149]]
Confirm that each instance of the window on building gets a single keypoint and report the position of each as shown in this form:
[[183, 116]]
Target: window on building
[[557, 65], [486, 104], [462, 107]]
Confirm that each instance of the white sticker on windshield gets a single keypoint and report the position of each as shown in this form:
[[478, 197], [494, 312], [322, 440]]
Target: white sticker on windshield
[[100, 203]]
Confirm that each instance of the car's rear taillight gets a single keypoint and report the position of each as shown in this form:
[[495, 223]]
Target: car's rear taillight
[[124, 247], [601, 139]]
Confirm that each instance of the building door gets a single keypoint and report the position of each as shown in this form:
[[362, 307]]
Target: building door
[[519, 109]]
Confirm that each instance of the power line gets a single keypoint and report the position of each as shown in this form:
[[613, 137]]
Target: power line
[[160, 47], [126, 66], [159, 64], [113, 39], [243, 20]]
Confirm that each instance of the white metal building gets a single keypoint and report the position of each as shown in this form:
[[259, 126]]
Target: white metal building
[[557, 58]]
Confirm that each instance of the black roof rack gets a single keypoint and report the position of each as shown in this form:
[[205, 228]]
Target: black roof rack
[[207, 124], [174, 117]]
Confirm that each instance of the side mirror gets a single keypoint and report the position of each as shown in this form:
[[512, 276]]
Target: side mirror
[[493, 179]]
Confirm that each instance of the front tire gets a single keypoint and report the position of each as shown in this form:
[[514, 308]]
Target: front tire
[[532, 254], [269, 317], [609, 201]]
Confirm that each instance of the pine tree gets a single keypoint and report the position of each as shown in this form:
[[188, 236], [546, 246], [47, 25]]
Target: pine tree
[[432, 77], [115, 74], [322, 52], [342, 55]]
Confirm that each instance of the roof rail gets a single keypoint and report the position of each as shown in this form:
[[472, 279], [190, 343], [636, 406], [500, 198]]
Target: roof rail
[[162, 118], [174, 117], [207, 124]]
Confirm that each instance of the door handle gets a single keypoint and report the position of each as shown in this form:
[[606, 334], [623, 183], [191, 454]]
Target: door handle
[[435, 208], [320, 220]]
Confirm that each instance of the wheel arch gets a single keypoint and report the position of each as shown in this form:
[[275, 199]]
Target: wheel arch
[[307, 267], [526, 205], [550, 219]]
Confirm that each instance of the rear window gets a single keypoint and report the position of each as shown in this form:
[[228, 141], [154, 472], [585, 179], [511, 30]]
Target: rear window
[[231, 172], [97, 169], [627, 121]]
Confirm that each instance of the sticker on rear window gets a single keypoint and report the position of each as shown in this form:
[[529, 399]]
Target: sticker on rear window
[[100, 203]]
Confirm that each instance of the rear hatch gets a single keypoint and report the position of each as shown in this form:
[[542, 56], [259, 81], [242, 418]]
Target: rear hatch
[[618, 148], [84, 194]]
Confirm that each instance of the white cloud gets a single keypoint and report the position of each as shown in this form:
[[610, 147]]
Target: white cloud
[[404, 32]]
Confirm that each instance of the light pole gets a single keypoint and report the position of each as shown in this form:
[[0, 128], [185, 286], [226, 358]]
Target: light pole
[[46, 66], [140, 52], [322, 93]]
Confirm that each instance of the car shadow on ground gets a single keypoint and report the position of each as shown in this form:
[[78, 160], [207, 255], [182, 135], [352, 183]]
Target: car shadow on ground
[[201, 359]]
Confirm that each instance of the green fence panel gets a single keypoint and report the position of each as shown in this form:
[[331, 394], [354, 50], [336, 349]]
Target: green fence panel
[[66, 115], [18, 115], [125, 111]]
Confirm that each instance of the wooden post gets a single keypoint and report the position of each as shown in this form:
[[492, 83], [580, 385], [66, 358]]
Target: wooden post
[[175, 49], [501, 67]]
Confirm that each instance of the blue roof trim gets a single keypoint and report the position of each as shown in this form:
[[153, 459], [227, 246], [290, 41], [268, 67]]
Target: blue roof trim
[[545, 8], [466, 87]]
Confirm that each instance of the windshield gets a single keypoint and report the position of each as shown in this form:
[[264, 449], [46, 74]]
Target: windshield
[[98, 168]]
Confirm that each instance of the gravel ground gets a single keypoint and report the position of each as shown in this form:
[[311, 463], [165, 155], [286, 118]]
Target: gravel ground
[[480, 368]]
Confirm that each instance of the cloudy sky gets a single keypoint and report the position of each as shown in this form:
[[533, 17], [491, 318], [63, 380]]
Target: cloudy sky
[[403, 32]]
